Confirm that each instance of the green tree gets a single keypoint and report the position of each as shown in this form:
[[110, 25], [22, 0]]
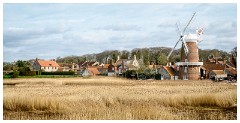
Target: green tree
[[162, 60], [23, 66], [125, 54], [234, 52], [7, 66]]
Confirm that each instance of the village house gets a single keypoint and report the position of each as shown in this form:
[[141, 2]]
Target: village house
[[126, 64], [111, 70], [123, 68], [231, 73], [231, 63], [81, 66], [64, 68], [167, 73], [45, 65], [90, 71], [103, 68], [228, 67], [207, 67], [217, 75]]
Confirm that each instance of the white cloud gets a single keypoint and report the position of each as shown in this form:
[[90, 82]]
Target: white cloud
[[52, 30], [121, 27]]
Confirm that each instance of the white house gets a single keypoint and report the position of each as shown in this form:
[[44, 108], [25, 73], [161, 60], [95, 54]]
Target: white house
[[47, 66]]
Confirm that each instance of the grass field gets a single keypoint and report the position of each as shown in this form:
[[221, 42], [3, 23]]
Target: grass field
[[116, 98]]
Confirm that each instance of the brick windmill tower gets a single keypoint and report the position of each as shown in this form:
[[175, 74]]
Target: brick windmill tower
[[189, 67]]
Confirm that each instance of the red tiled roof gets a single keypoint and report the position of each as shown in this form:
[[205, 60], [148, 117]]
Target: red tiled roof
[[47, 63], [105, 66], [232, 71], [169, 70], [210, 67], [93, 70], [218, 72]]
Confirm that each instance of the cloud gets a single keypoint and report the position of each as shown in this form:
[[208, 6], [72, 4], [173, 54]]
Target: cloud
[[222, 28], [51, 30], [120, 27]]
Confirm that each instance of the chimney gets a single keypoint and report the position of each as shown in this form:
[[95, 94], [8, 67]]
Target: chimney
[[134, 57], [72, 65], [122, 66], [36, 59], [118, 58]]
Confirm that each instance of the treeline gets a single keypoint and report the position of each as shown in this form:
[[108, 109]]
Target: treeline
[[149, 56], [153, 55]]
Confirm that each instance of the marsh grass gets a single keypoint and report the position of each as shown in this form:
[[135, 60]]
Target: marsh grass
[[117, 98], [27, 103]]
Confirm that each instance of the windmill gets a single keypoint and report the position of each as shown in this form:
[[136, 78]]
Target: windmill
[[189, 65]]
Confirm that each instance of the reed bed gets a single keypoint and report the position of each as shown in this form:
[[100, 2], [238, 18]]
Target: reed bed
[[117, 98]]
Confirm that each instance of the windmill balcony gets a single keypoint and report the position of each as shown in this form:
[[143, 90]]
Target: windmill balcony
[[188, 63]]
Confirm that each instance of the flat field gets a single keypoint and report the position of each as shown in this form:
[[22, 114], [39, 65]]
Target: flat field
[[117, 99]]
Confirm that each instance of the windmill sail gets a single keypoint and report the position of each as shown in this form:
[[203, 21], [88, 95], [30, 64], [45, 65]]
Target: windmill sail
[[181, 37]]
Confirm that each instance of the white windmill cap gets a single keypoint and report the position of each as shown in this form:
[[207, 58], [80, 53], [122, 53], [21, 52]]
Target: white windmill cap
[[190, 38]]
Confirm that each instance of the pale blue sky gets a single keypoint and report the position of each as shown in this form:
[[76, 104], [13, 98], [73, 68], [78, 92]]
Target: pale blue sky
[[47, 31]]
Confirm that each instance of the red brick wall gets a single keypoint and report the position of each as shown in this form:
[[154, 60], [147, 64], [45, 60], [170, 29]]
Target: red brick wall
[[193, 56]]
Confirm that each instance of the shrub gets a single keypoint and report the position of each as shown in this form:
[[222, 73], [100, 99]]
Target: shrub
[[38, 72], [15, 74], [130, 74], [11, 73], [28, 73], [58, 73], [158, 76]]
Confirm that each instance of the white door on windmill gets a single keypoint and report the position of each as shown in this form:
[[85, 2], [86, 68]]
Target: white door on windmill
[[185, 77], [185, 69]]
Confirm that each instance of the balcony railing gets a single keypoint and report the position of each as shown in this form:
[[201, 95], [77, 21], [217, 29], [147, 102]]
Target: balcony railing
[[188, 63]]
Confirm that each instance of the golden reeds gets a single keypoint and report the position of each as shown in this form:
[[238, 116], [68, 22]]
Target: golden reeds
[[117, 98]]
